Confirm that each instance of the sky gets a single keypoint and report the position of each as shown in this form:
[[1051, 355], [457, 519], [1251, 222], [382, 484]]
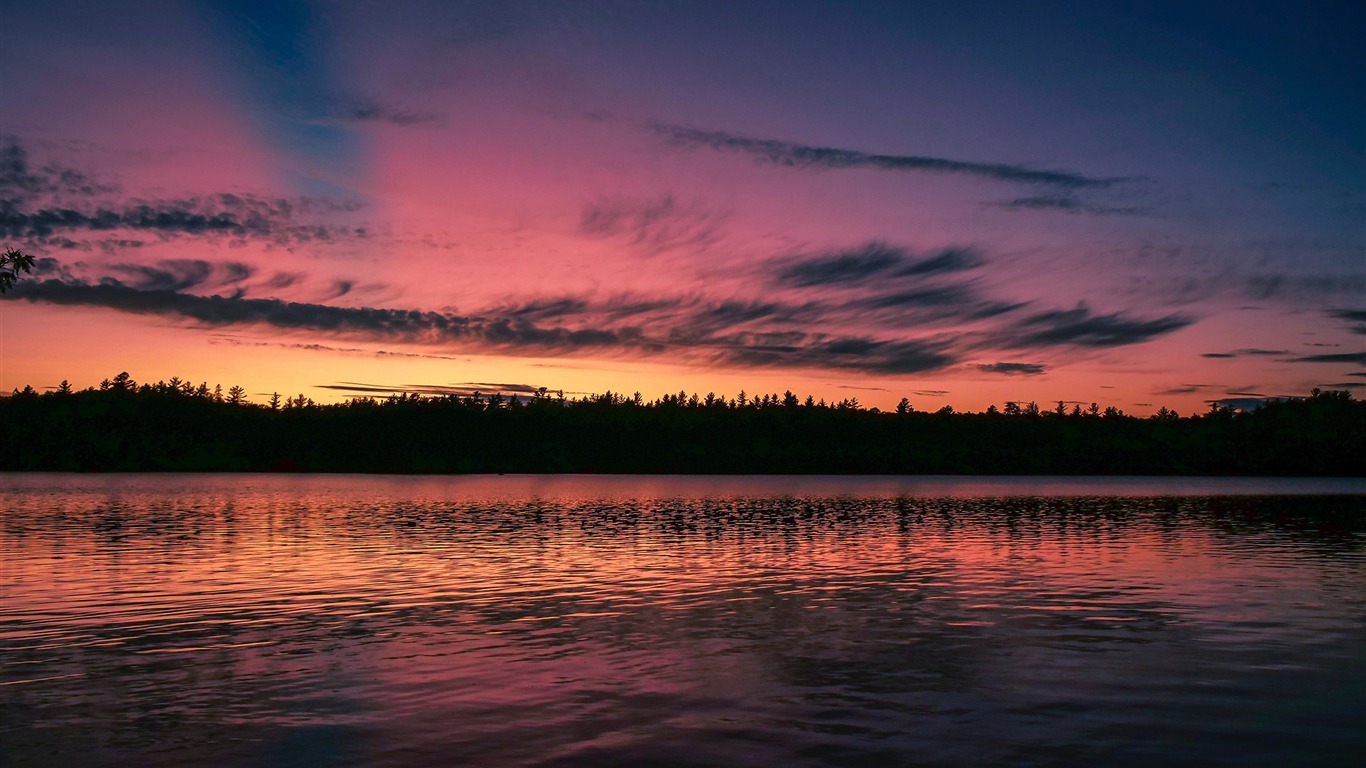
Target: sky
[[1140, 205]]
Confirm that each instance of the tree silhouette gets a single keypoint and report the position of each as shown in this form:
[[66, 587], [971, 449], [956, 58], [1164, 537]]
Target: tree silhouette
[[12, 262], [177, 426]]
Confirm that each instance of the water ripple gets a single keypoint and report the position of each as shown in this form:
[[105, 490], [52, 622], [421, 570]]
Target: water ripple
[[245, 620]]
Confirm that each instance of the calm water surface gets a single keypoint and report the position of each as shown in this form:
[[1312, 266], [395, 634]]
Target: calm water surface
[[228, 620]]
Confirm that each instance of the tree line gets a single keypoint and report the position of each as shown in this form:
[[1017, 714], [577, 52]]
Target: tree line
[[177, 425]]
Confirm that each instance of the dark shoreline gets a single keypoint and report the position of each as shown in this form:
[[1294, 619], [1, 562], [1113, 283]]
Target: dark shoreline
[[154, 430]]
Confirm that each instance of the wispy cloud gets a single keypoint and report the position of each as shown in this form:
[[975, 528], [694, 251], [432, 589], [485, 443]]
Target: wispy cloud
[[874, 260], [1281, 285], [460, 389], [236, 217], [655, 224], [495, 331], [1067, 204], [1246, 353], [794, 155], [1339, 357], [1357, 316], [374, 112], [1081, 327], [1013, 369], [21, 180]]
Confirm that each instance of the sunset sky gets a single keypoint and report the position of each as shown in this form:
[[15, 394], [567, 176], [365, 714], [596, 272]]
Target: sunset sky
[[959, 203]]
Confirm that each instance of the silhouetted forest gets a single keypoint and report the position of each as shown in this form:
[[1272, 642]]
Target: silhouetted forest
[[178, 426]]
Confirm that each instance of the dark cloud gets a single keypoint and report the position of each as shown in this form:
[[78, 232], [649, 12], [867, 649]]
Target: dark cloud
[[20, 180], [182, 274], [1279, 286], [372, 112], [408, 325], [850, 352], [1339, 357], [1246, 353], [497, 330], [230, 216], [1067, 204], [874, 260], [1013, 369], [462, 390], [795, 155], [947, 260], [1079, 327], [1353, 316], [283, 279], [229, 340], [63, 208], [655, 224], [851, 266], [1245, 403]]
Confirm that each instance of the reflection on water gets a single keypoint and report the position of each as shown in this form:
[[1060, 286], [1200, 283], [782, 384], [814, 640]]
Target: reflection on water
[[371, 621]]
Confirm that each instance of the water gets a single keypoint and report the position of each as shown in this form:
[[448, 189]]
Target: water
[[223, 620]]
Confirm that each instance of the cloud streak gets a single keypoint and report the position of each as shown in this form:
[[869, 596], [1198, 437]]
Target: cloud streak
[[235, 217], [374, 112], [872, 261], [1339, 357], [494, 332], [20, 180], [1013, 369], [793, 155], [655, 225], [1080, 327], [459, 390], [1065, 204]]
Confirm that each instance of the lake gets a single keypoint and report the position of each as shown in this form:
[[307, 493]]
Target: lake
[[238, 620]]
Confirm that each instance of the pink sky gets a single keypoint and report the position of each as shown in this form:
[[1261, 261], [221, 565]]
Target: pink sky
[[611, 199]]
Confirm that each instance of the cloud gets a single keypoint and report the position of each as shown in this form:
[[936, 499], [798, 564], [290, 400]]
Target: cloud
[[1246, 353], [1353, 316], [793, 155], [236, 217], [1339, 357], [1245, 403], [1184, 389], [19, 180], [1273, 286], [874, 260], [1066, 205], [460, 390], [497, 330], [181, 274], [373, 112], [381, 353], [1013, 369], [1079, 327], [63, 208], [655, 224], [848, 352], [409, 325]]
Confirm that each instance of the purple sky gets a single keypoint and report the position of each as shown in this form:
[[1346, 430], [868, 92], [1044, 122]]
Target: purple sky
[[958, 203]]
